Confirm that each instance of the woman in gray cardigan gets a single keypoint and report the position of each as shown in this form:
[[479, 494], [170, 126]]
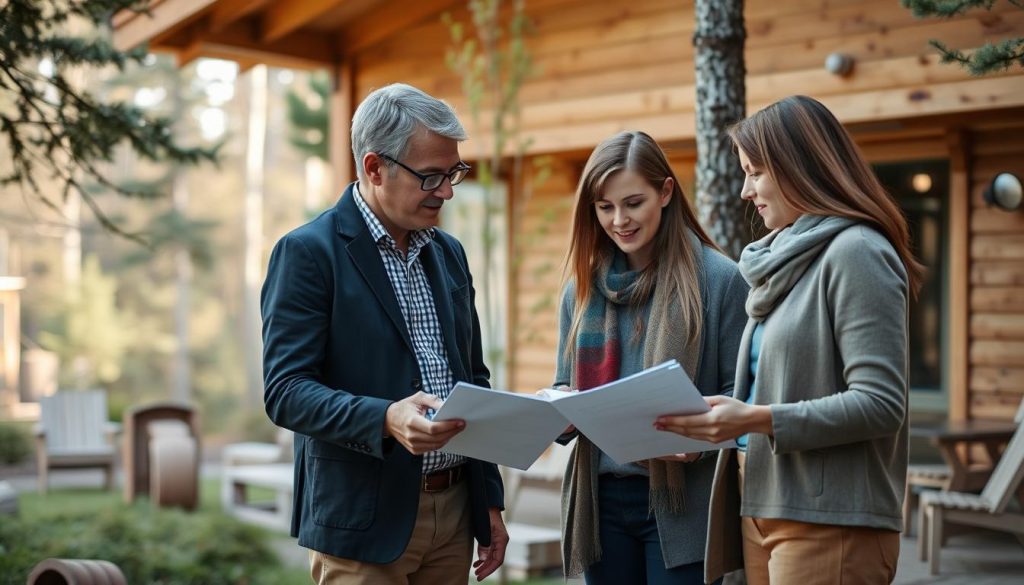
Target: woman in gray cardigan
[[819, 410], [646, 285]]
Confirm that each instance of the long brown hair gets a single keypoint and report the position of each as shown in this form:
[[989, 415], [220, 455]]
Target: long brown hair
[[821, 171], [673, 269]]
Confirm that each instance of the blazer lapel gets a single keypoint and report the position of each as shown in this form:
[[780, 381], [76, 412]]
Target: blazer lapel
[[437, 275], [366, 258]]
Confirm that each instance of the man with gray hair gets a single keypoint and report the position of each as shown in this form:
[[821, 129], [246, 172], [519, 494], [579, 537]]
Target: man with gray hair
[[368, 322]]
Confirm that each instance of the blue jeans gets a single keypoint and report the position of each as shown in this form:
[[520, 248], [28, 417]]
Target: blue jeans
[[630, 547]]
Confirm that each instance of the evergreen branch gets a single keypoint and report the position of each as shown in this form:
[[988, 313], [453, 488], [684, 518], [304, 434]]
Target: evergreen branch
[[61, 131], [944, 8], [986, 59]]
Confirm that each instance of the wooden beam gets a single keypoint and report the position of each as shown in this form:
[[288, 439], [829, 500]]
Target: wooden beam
[[121, 17], [998, 247], [957, 277], [342, 105], [190, 53], [230, 11], [995, 326], [998, 379], [940, 98], [239, 42], [997, 273], [283, 18], [163, 19], [997, 353], [997, 299], [374, 26]]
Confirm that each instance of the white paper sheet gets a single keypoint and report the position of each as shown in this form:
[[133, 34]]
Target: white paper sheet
[[514, 429], [501, 427], [619, 417]]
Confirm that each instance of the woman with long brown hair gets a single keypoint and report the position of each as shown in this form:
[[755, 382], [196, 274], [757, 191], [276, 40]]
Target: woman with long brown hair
[[813, 493], [645, 284]]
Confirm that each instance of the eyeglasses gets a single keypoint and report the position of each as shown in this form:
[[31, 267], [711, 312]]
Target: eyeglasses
[[431, 181]]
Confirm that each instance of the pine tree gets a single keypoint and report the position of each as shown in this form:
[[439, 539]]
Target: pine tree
[[991, 57], [57, 131]]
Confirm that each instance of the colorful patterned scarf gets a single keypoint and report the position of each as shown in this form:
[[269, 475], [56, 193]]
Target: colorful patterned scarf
[[597, 359]]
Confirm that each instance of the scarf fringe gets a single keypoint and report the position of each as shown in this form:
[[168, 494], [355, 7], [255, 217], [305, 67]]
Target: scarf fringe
[[667, 498]]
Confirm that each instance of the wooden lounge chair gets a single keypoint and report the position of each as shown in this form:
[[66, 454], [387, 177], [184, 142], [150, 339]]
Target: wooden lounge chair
[[73, 432], [931, 476], [990, 509]]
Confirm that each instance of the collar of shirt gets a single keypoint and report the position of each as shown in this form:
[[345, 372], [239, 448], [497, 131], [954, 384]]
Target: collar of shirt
[[417, 239]]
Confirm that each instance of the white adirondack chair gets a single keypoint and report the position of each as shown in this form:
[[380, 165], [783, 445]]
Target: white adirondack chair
[[987, 510], [73, 432]]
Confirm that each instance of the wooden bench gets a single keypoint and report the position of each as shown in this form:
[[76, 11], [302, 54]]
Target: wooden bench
[[278, 477]]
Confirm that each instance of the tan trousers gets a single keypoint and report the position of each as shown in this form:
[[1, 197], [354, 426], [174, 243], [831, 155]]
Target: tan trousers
[[786, 551], [439, 551]]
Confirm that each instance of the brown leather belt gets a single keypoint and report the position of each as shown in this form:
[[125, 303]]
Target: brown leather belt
[[444, 479]]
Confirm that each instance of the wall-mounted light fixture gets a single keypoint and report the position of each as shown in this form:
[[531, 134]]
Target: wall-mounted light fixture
[[1005, 192], [921, 182], [839, 64]]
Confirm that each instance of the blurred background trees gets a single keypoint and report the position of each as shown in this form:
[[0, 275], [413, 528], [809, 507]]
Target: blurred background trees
[[172, 316]]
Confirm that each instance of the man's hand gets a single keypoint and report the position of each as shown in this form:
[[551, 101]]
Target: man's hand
[[727, 419], [489, 558], [405, 421]]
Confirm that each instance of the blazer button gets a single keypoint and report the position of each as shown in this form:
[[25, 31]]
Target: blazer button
[[417, 384]]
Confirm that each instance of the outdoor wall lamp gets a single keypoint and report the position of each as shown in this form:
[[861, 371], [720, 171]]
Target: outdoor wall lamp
[[1005, 192], [839, 64]]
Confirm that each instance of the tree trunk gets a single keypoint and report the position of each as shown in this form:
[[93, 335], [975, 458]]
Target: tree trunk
[[181, 371], [255, 149], [721, 100]]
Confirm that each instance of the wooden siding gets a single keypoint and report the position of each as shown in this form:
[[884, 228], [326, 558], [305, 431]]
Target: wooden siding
[[615, 65], [996, 379], [542, 242], [612, 65]]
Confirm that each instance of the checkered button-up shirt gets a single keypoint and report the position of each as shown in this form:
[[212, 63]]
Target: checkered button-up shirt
[[409, 281]]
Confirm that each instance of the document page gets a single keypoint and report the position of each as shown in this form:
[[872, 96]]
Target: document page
[[514, 429], [501, 427], [619, 417]]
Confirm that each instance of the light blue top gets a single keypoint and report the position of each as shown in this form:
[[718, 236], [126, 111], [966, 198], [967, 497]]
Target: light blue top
[[755, 351]]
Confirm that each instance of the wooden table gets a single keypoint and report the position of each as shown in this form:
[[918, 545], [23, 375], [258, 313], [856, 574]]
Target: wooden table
[[949, 436]]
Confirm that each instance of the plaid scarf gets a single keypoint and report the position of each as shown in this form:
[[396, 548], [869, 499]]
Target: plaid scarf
[[597, 359]]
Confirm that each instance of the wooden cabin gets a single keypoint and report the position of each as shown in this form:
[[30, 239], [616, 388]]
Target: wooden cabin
[[937, 135]]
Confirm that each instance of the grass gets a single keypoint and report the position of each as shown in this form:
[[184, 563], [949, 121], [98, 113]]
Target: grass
[[36, 508], [39, 508]]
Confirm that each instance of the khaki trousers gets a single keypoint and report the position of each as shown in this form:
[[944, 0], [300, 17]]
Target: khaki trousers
[[786, 551], [439, 551]]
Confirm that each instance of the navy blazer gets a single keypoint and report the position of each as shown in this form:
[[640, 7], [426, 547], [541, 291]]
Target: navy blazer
[[336, 353]]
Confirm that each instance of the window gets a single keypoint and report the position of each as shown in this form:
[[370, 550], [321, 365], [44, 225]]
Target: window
[[922, 189]]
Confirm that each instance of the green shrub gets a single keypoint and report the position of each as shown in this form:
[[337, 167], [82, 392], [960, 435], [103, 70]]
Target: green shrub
[[15, 443], [165, 547]]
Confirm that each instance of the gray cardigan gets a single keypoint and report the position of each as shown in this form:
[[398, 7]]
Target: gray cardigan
[[833, 367], [724, 292]]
